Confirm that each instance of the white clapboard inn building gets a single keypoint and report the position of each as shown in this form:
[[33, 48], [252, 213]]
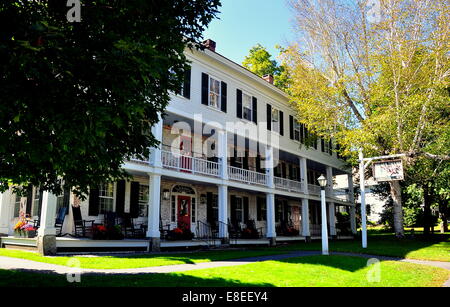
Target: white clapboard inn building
[[233, 168]]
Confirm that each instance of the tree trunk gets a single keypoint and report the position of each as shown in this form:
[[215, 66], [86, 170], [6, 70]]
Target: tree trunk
[[398, 211], [443, 214], [426, 210]]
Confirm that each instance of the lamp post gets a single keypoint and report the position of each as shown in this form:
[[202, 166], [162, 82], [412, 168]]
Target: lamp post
[[323, 183]]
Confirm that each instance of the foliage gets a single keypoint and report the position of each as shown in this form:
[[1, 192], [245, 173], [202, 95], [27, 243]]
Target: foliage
[[260, 62], [79, 98]]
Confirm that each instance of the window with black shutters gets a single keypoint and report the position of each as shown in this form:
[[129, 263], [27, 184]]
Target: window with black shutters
[[247, 110], [106, 198], [17, 200], [275, 116], [143, 200], [261, 213], [297, 130]]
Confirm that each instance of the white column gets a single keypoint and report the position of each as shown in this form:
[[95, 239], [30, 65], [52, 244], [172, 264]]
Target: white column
[[332, 218], [270, 211], [155, 153], [48, 214], [5, 212], [269, 167], [363, 200], [304, 175], [305, 218], [324, 223], [353, 219], [223, 211], [154, 206], [222, 153]]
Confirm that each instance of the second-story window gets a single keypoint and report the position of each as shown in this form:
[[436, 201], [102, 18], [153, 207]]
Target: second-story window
[[247, 107], [297, 130], [214, 93], [275, 120]]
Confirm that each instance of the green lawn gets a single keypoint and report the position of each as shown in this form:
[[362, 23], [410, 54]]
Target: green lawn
[[339, 271], [140, 260], [436, 248]]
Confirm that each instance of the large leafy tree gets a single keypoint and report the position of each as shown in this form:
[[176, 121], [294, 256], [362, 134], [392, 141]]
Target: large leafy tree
[[377, 84], [79, 98], [260, 62]]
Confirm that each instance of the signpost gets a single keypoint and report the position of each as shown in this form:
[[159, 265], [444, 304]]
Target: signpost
[[386, 170]]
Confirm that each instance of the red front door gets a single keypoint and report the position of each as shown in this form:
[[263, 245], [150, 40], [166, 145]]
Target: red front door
[[184, 212]]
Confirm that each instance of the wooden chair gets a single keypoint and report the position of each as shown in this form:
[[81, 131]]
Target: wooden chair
[[129, 227], [110, 219], [251, 224], [81, 226], [164, 230], [59, 222], [234, 230]]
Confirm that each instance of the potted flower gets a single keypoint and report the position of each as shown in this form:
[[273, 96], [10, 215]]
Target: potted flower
[[99, 232], [18, 228], [28, 231], [175, 234]]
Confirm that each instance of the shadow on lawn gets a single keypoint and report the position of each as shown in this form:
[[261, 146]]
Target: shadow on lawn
[[30, 278], [383, 245]]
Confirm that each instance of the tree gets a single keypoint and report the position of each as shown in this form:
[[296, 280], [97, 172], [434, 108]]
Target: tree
[[381, 85], [260, 62], [79, 98]]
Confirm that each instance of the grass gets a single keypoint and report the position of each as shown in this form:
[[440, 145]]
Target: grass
[[140, 260], [436, 249], [318, 271]]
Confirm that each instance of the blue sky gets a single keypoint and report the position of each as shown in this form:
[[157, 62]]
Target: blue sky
[[244, 23]]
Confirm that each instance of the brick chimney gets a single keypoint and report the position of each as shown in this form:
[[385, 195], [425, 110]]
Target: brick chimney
[[210, 44], [268, 78]]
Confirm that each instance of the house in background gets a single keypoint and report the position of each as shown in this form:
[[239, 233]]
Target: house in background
[[232, 158]]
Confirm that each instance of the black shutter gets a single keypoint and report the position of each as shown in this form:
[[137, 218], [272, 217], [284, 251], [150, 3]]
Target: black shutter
[[258, 209], [323, 144], [291, 172], [29, 200], [209, 207], [239, 103], [330, 148], [291, 127], [66, 199], [41, 194], [205, 89], [94, 202], [302, 133], [281, 123], [187, 84], [120, 198], [283, 170], [245, 162], [223, 104], [233, 209], [245, 200], [269, 117], [134, 199], [234, 156], [298, 174], [255, 110], [277, 211]]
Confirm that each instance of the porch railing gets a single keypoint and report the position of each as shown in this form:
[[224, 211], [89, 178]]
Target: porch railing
[[314, 189], [189, 164], [246, 176], [288, 185]]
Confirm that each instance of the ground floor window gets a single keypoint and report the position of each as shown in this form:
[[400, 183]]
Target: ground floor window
[[17, 205], [143, 200], [261, 209], [36, 203], [173, 209], [106, 197], [238, 210]]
